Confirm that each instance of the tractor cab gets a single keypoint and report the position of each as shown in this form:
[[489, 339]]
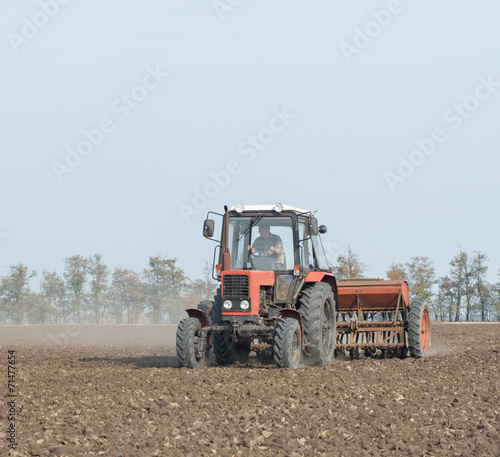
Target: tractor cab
[[279, 239], [249, 234]]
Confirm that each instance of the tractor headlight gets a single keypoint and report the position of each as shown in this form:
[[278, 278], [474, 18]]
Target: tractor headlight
[[244, 305], [228, 304]]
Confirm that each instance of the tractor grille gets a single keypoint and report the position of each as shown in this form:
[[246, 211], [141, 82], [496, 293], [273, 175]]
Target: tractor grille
[[236, 286]]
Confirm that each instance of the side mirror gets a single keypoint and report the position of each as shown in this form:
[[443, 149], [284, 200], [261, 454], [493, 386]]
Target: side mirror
[[313, 226], [208, 228], [322, 229]]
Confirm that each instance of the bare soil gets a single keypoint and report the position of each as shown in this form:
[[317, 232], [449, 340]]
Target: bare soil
[[117, 391]]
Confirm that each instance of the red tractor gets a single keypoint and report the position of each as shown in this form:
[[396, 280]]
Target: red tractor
[[278, 296]]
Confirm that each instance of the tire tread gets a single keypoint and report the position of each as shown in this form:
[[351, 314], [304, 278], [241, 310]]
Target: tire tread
[[417, 307], [311, 303], [283, 343], [184, 343]]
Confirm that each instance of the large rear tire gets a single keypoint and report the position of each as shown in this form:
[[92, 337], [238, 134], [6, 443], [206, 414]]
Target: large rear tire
[[419, 328], [287, 343], [187, 341], [317, 308]]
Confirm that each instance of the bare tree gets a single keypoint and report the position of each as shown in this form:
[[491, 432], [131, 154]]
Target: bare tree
[[15, 293], [127, 295], [483, 288], [420, 274], [53, 289], [75, 274], [349, 265], [442, 304], [447, 296], [457, 273], [496, 300], [165, 282], [397, 271], [204, 288], [98, 283]]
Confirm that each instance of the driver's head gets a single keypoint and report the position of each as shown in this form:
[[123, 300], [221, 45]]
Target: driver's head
[[264, 230]]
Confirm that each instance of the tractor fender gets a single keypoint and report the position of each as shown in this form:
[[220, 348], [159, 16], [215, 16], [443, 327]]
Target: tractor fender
[[328, 278], [294, 314], [198, 314], [322, 276], [202, 317]]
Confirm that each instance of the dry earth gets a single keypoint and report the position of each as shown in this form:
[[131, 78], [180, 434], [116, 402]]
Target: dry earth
[[117, 391]]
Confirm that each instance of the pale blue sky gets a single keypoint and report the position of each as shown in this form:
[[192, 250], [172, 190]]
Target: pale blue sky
[[352, 121]]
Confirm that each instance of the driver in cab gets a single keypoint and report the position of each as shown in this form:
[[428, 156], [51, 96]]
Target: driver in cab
[[268, 244]]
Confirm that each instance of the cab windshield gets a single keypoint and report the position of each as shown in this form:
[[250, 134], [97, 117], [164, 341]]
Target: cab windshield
[[261, 243]]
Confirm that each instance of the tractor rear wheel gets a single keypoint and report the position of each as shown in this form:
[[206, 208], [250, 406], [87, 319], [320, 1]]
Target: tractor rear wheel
[[317, 308], [187, 343], [419, 328], [287, 343]]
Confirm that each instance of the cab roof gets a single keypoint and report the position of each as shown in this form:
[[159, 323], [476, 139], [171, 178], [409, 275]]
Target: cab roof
[[248, 208]]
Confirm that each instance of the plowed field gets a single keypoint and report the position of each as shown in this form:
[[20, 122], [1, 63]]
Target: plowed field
[[117, 391]]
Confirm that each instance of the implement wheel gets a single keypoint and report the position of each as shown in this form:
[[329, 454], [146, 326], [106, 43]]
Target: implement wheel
[[189, 338], [287, 343], [419, 328], [317, 308]]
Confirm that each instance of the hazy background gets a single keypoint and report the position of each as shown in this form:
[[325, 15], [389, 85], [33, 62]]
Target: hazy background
[[226, 76]]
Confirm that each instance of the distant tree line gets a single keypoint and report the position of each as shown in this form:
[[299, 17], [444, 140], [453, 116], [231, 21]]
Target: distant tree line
[[463, 294], [88, 292]]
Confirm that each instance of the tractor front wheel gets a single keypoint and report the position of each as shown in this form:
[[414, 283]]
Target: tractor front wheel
[[287, 343], [222, 343], [224, 351], [419, 328], [242, 348], [227, 352], [189, 340]]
